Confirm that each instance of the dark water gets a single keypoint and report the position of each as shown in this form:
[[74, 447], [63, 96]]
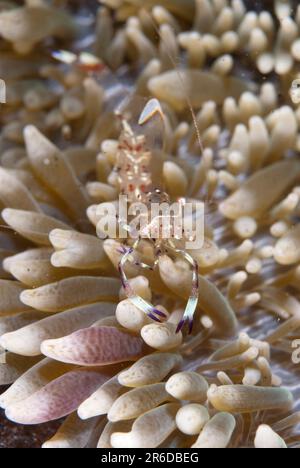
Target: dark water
[[18, 436]]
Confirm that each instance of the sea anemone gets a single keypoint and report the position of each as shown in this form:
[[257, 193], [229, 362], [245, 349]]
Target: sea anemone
[[73, 345]]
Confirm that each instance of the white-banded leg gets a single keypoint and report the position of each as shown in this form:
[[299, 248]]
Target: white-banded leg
[[188, 315], [138, 301]]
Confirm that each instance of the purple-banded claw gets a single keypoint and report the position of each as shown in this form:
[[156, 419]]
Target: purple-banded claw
[[182, 323], [153, 315]]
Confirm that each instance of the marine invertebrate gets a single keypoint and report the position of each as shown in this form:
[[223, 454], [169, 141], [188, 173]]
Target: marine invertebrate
[[74, 341], [267, 438]]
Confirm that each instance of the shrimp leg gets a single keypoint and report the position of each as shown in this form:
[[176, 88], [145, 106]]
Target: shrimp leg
[[192, 303], [138, 301]]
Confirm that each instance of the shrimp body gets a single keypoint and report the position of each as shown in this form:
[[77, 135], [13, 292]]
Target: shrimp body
[[135, 181], [133, 165]]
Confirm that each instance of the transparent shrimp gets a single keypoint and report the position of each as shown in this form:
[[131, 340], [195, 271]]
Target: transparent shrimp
[[133, 168]]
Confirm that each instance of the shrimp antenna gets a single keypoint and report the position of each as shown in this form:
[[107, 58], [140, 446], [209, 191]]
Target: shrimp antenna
[[186, 95]]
